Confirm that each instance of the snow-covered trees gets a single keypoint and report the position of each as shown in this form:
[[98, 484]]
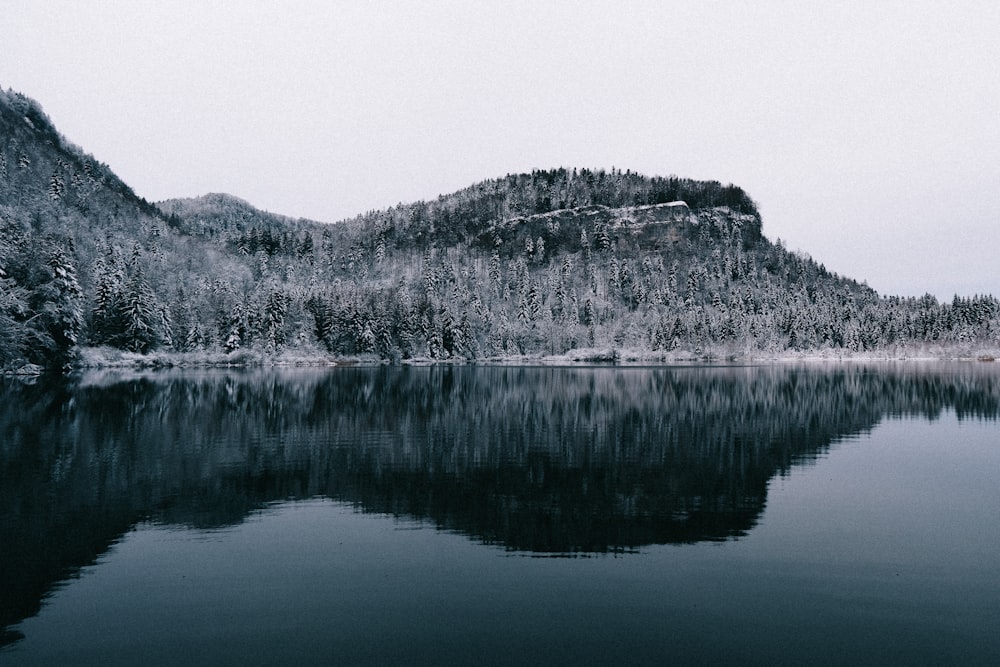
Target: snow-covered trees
[[126, 312], [41, 315], [530, 263], [13, 309]]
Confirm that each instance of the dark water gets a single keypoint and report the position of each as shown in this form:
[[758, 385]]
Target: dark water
[[776, 515]]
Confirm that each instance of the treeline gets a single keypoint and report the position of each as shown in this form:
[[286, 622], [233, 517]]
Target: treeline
[[466, 216], [692, 285], [41, 303], [213, 215], [56, 204], [537, 263]]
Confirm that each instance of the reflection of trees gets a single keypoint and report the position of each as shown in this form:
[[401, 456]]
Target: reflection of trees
[[539, 459]]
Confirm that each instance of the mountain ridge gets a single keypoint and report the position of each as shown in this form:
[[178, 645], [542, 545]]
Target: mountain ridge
[[526, 264]]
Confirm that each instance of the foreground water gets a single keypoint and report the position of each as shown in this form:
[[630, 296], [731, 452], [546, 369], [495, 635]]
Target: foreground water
[[834, 515]]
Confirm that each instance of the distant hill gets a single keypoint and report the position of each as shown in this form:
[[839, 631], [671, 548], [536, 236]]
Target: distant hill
[[217, 214], [547, 262]]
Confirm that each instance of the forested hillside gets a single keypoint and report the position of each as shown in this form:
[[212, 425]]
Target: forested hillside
[[528, 264]]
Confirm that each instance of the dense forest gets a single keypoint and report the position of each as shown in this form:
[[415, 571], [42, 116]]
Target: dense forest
[[529, 264]]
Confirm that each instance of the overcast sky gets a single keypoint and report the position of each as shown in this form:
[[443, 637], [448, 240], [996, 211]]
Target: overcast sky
[[868, 132]]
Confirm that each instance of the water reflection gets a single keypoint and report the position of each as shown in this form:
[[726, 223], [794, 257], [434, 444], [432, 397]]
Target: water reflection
[[544, 460]]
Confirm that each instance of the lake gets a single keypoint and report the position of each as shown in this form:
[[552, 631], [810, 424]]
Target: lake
[[818, 514]]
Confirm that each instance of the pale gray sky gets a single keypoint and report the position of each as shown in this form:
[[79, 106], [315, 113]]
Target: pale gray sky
[[868, 132]]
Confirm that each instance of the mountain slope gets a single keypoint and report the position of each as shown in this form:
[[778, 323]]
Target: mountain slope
[[216, 213], [77, 243], [527, 264]]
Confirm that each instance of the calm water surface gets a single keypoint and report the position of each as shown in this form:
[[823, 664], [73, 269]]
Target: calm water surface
[[775, 515]]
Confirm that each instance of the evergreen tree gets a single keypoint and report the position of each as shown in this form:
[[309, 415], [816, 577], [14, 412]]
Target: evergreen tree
[[56, 304], [139, 315], [13, 313]]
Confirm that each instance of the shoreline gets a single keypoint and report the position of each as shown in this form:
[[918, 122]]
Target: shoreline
[[96, 359], [109, 358]]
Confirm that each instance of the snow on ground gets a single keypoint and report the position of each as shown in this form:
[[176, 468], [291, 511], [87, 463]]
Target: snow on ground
[[104, 357]]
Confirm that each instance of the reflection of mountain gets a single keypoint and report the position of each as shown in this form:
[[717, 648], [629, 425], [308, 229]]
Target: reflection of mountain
[[536, 459]]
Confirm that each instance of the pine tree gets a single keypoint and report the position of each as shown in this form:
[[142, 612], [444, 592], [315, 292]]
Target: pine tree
[[166, 327], [13, 312], [306, 247], [275, 311], [323, 322], [57, 187], [140, 316], [58, 304], [105, 322]]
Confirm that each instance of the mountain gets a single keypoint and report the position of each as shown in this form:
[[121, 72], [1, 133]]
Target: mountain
[[217, 214], [546, 262]]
